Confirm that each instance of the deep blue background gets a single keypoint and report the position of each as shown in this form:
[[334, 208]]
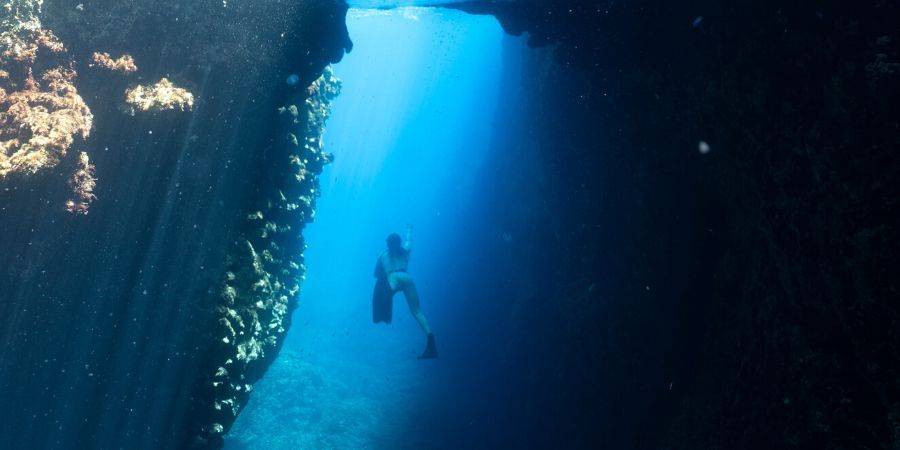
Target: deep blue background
[[421, 134]]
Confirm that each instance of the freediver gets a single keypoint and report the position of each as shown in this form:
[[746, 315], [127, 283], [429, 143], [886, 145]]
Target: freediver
[[391, 277]]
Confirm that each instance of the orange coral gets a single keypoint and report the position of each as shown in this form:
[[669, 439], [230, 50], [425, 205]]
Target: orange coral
[[39, 123], [124, 63], [40, 118], [24, 49]]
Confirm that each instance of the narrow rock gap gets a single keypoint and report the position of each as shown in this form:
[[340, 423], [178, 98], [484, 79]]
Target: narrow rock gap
[[411, 133]]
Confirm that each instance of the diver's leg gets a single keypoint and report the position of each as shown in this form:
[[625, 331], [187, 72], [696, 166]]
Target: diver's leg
[[412, 298]]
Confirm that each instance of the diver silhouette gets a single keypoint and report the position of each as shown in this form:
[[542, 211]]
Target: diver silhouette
[[391, 276]]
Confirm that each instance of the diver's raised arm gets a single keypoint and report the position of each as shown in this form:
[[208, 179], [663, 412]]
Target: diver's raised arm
[[407, 244]]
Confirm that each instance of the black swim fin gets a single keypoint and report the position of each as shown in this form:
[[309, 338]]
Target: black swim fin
[[430, 349], [382, 302]]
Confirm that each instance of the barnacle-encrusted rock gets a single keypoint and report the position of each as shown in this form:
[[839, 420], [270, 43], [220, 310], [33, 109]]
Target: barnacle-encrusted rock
[[162, 96], [82, 183], [260, 288]]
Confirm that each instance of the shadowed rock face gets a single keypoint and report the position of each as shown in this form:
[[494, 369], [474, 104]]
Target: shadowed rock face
[[112, 318], [748, 300], [265, 267]]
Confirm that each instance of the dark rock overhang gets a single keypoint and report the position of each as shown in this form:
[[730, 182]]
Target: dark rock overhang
[[144, 215], [769, 127]]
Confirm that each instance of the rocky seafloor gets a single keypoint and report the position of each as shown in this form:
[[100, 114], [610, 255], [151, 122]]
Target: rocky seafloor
[[316, 410]]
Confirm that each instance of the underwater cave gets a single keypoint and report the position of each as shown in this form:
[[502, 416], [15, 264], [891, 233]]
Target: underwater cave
[[650, 225]]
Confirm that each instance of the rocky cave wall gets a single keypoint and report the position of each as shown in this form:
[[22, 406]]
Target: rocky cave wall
[[157, 170], [265, 266], [730, 294]]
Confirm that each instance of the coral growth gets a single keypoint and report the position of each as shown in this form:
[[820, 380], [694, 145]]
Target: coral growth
[[22, 36], [123, 64], [39, 121], [265, 269], [162, 96], [82, 183], [25, 50]]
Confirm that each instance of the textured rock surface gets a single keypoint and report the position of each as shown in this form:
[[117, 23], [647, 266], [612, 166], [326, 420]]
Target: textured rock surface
[[41, 113], [161, 96], [265, 266], [115, 314]]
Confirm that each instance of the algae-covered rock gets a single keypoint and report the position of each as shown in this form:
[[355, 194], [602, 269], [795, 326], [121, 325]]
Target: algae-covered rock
[[262, 283], [136, 290], [43, 116], [123, 64], [162, 96]]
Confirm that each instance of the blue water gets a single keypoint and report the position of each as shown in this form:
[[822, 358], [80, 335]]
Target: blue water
[[413, 133]]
